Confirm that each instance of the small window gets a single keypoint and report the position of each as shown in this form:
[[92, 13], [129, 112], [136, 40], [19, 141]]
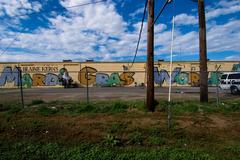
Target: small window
[[234, 76], [224, 76]]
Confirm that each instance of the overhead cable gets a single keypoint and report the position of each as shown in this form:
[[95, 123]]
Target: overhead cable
[[140, 33], [68, 7]]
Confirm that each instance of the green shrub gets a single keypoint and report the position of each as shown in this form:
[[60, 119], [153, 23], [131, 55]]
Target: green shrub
[[233, 149], [46, 111], [116, 127], [12, 109], [182, 154], [139, 105], [112, 140], [136, 138], [3, 108], [36, 102], [97, 107], [155, 140]]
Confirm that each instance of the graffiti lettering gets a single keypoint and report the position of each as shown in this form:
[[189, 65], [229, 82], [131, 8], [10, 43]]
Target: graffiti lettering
[[102, 79], [236, 67], [49, 75], [182, 78], [194, 78], [27, 80], [51, 80], [114, 80], [213, 80], [87, 74], [38, 80], [9, 75], [40, 69], [127, 78], [160, 77]]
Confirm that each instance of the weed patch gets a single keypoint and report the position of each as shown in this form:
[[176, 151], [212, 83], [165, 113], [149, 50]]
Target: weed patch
[[52, 151], [11, 109], [46, 111], [155, 140], [136, 138], [111, 140], [36, 102]]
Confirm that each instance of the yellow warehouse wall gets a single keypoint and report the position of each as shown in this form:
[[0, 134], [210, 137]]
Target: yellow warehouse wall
[[47, 74]]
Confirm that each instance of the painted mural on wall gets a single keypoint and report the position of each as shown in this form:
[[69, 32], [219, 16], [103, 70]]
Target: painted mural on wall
[[87, 75], [178, 77], [236, 67], [53, 76], [11, 75], [91, 76]]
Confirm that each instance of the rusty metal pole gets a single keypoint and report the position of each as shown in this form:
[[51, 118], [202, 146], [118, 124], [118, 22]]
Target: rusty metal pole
[[203, 52], [217, 86], [87, 85], [20, 82], [150, 57]]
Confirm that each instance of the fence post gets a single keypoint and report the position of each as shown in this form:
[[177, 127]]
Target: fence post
[[87, 85], [218, 99], [21, 87]]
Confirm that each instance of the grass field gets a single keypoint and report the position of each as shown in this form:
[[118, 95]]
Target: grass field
[[120, 130]]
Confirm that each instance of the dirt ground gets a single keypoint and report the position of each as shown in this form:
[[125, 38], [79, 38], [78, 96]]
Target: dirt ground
[[214, 128], [214, 133]]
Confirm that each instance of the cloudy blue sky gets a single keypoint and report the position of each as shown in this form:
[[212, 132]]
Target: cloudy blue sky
[[48, 30]]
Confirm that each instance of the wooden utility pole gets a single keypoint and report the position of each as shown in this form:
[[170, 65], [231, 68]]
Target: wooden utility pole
[[203, 52], [150, 57]]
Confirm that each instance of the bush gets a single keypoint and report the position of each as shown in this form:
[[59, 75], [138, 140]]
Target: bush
[[11, 110], [155, 140], [97, 107], [112, 140], [116, 127], [46, 111], [36, 102], [136, 138]]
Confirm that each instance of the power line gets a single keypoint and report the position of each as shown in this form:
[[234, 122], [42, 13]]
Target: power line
[[10, 44], [85, 4], [140, 33], [161, 10], [69, 7]]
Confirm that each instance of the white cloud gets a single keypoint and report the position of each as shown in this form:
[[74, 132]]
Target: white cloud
[[68, 3], [39, 57], [184, 19], [223, 7], [216, 12], [228, 3], [137, 12], [99, 31], [233, 58], [224, 37], [18, 7]]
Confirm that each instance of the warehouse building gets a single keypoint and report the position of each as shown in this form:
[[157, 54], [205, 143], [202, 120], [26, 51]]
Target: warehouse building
[[108, 74]]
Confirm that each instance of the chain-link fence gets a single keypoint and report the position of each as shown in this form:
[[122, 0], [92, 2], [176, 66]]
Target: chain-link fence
[[90, 85]]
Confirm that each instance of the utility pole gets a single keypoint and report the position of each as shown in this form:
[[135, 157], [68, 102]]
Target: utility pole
[[203, 52], [150, 57]]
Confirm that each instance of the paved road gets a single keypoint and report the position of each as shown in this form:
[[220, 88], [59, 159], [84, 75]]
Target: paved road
[[107, 89], [106, 93]]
